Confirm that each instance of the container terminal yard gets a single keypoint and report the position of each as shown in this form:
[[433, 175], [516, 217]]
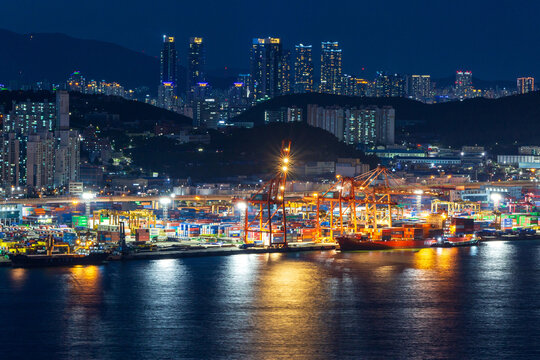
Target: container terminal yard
[[374, 207]]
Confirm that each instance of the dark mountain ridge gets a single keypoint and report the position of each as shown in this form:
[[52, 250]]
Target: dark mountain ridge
[[59, 55], [509, 120]]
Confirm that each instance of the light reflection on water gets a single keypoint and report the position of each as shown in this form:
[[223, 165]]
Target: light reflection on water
[[433, 303]]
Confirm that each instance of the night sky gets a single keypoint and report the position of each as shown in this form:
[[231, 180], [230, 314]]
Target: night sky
[[495, 39]]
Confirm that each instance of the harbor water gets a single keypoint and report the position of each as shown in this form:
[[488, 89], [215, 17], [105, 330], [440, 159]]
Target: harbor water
[[458, 303]]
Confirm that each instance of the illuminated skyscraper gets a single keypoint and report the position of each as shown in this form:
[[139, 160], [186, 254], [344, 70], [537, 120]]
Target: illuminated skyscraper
[[285, 85], [76, 82], [206, 113], [12, 160], [463, 84], [330, 68], [525, 85], [353, 86], [238, 98], [303, 69], [369, 125], [420, 87], [38, 147], [67, 153], [247, 87], [196, 62], [266, 67], [30, 117], [40, 160], [389, 85], [166, 97], [169, 60]]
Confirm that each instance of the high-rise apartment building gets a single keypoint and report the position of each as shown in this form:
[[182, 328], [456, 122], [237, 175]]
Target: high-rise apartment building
[[389, 85], [284, 115], [38, 148], [167, 90], [166, 96], [11, 160], [206, 113], [25, 119], [419, 87], [303, 69], [196, 62], [285, 85], [353, 86], [360, 126], [62, 110], [29, 117], [68, 150], [329, 118], [463, 85], [386, 124], [369, 125], [355, 125], [169, 62], [67, 157], [330, 68], [40, 160], [525, 85], [76, 82], [266, 67]]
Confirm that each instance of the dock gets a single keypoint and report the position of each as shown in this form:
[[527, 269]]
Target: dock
[[220, 251], [212, 251]]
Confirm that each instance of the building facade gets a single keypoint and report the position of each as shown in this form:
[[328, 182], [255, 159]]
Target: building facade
[[420, 87], [266, 67], [196, 62], [169, 62], [40, 155], [525, 85], [369, 125], [303, 69], [463, 85], [331, 68], [389, 85]]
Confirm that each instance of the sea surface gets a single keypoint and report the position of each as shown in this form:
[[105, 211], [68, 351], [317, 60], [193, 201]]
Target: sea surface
[[468, 303]]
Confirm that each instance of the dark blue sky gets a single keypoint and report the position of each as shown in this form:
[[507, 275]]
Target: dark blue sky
[[494, 39]]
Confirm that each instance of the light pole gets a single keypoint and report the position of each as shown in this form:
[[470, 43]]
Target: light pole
[[242, 206], [165, 201], [87, 197], [418, 193], [496, 198]]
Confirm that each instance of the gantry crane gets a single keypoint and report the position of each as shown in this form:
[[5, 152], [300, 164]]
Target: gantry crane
[[267, 201], [454, 207], [135, 218], [370, 191]]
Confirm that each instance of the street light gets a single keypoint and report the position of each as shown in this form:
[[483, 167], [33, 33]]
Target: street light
[[241, 206], [87, 197], [496, 198], [165, 201], [418, 193]]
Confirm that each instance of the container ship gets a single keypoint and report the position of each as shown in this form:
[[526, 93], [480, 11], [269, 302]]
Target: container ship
[[413, 236], [357, 242]]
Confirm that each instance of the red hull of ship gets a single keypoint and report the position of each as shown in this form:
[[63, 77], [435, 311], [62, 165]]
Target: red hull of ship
[[353, 244]]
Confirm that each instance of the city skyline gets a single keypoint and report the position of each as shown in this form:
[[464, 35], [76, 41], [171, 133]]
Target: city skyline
[[425, 42], [345, 179]]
